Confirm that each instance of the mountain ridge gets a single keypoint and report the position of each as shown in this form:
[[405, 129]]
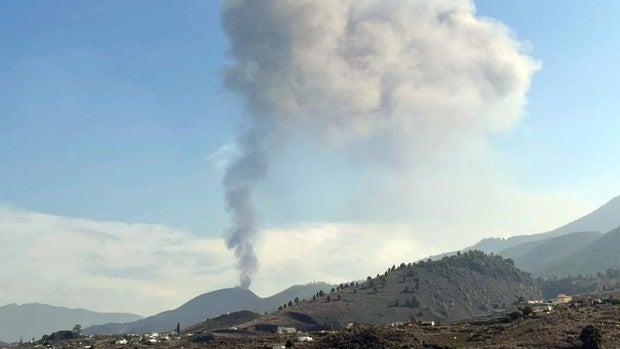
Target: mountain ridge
[[533, 256], [601, 220], [208, 305], [36, 319], [595, 257]]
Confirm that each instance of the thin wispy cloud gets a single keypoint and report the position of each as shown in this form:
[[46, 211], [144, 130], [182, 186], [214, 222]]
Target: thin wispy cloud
[[146, 268], [223, 156]]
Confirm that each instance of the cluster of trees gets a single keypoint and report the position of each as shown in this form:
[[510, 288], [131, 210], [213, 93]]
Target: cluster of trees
[[610, 274], [407, 289], [553, 285], [381, 280], [345, 286], [412, 302], [342, 286], [373, 283], [486, 264], [329, 298], [569, 285], [292, 302]]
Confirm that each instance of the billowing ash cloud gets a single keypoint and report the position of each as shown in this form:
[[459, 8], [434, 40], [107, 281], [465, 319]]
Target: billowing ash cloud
[[397, 78]]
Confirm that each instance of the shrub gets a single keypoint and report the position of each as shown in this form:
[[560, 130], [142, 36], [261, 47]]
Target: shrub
[[591, 337], [202, 338], [413, 303], [59, 335], [515, 315], [527, 311]]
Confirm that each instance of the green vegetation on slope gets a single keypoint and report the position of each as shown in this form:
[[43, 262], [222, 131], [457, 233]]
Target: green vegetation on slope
[[456, 287]]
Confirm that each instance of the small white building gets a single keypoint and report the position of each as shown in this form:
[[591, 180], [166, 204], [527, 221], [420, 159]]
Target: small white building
[[304, 339], [542, 309], [287, 330], [561, 299]]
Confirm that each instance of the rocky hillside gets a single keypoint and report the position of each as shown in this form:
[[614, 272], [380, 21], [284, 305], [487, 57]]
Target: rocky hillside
[[224, 321], [456, 287], [559, 329]]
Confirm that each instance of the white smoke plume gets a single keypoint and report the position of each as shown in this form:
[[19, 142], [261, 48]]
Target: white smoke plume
[[395, 80], [241, 176]]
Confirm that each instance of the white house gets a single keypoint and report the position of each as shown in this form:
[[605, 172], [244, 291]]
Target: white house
[[287, 330], [561, 298]]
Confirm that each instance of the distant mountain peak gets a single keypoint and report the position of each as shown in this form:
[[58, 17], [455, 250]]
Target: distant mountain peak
[[209, 305], [36, 319], [603, 220]]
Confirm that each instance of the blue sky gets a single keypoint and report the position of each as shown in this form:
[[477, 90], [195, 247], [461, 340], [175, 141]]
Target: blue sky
[[110, 111], [569, 137]]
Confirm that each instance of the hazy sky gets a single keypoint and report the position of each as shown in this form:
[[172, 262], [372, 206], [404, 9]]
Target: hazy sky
[[115, 114]]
